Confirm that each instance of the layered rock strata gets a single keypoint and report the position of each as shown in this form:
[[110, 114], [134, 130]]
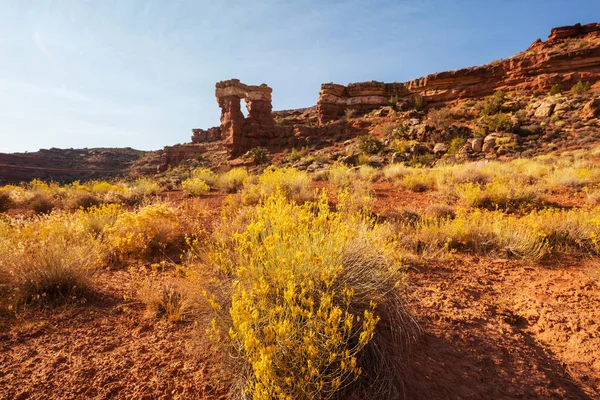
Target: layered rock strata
[[561, 60]]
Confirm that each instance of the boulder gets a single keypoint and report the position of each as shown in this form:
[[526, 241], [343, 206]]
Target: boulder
[[440, 148], [545, 107], [591, 109], [488, 144], [419, 149], [476, 144]]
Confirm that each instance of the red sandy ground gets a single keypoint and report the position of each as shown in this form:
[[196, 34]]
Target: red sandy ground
[[494, 329]]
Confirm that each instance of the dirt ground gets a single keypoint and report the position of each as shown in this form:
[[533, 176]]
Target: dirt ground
[[493, 329]]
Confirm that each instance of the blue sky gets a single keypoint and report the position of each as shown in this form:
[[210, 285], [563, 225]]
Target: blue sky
[[118, 73]]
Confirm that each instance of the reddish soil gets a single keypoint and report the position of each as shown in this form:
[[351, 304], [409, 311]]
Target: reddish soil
[[497, 329], [493, 328]]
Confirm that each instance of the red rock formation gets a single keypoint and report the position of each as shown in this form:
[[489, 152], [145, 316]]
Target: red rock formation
[[538, 68], [206, 135], [173, 155], [234, 127]]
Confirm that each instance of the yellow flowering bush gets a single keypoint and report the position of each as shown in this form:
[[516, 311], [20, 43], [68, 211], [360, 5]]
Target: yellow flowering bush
[[304, 306], [195, 186], [293, 183], [139, 233], [233, 180], [534, 236]]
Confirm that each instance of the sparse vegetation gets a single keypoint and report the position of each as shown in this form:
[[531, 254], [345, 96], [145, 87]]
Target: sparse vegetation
[[555, 90], [370, 144], [580, 88]]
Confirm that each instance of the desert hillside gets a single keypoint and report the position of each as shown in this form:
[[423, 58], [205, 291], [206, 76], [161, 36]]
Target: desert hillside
[[431, 239]]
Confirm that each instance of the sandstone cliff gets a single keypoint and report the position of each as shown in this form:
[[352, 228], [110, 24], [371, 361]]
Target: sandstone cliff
[[570, 54]]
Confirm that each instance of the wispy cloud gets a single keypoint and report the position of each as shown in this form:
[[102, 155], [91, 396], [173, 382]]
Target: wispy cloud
[[40, 42]]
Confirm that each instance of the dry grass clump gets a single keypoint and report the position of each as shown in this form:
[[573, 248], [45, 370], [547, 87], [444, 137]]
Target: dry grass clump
[[500, 193], [41, 204], [574, 177], [46, 258], [146, 232], [314, 311], [341, 175], [233, 180], [354, 193], [369, 174], [395, 171], [163, 298], [5, 201], [417, 182], [593, 196], [294, 184], [195, 186], [537, 235]]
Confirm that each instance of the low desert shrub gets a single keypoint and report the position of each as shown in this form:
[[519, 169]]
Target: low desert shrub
[[441, 117], [501, 193], [574, 177], [536, 235], [259, 155], [455, 145], [206, 175], [46, 258], [195, 186], [5, 201], [294, 184], [555, 90], [41, 204], [493, 104], [315, 310], [85, 200], [369, 144], [395, 171], [163, 298], [233, 180], [417, 182], [145, 232], [341, 175], [145, 187], [580, 88], [369, 174]]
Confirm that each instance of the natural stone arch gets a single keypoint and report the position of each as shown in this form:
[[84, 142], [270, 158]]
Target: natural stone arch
[[235, 128]]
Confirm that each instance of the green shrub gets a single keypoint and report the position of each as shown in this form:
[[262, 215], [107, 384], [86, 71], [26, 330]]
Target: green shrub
[[418, 102], [555, 90], [455, 145], [580, 88], [493, 104], [497, 123], [369, 144], [260, 155]]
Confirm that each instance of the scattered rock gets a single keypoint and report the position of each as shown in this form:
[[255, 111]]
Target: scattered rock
[[591, 109], [440, 148]]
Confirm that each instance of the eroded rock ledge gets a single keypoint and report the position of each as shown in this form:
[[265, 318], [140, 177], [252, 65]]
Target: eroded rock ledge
[[571, 54], [560, 60]]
